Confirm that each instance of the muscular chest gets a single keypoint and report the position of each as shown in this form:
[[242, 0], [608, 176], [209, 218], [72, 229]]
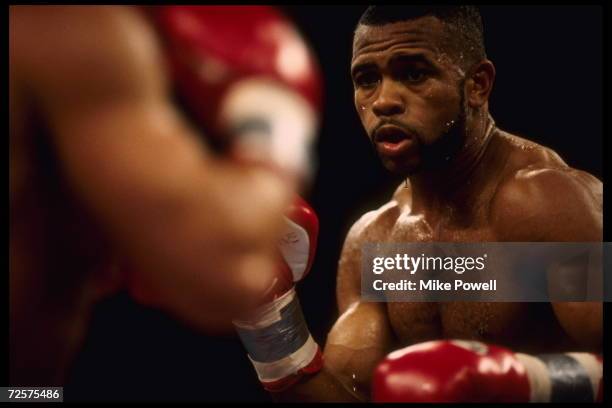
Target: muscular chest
[[416, 228], [415, 322], [512, 324]]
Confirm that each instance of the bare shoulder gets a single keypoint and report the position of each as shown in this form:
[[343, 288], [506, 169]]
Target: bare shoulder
[[373, 226], [548, 201], [98, 50]]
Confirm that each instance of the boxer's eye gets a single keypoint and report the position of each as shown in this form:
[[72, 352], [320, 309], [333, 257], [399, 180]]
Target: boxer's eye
[[413, 75], [367, 80]]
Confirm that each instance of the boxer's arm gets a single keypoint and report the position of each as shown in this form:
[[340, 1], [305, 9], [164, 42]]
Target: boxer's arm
[[359, 339], [556, 205], [204, 230]]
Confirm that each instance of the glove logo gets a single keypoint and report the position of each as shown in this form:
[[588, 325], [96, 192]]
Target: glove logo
[[289, 239]]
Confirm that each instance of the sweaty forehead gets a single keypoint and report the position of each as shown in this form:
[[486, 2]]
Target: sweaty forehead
[[424, 32]]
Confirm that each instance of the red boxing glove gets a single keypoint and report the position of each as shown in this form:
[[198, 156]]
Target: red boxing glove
[[297, 247], [470, 371], [248, 77], [276, 336]]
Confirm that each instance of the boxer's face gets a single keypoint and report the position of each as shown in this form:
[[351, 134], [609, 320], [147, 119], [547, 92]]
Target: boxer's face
[[409, 93]]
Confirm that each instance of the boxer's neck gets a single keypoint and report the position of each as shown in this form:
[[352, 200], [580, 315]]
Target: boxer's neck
[[455, 189]]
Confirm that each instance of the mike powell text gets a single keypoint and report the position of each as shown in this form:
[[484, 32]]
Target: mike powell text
[[434, 285]]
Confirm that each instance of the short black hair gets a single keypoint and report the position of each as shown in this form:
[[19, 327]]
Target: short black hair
[[463, 24]]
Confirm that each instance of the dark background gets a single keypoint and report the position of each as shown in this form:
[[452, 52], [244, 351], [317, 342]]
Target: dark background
[[548, 89]]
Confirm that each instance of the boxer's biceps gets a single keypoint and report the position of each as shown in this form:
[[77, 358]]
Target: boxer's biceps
[[359, 339], [348, 289]]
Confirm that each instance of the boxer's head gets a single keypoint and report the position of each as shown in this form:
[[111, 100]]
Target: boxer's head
[[421, 81]]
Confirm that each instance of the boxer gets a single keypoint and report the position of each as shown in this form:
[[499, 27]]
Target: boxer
[[104, 166], [421, 87]]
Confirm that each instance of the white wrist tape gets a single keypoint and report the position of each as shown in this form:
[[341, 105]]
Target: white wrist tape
[[277, 339], [268, 372]]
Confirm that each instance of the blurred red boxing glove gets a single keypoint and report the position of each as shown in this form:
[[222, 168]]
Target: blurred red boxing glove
[[249, 79], [297, 247], [275, 335], [470, 371]]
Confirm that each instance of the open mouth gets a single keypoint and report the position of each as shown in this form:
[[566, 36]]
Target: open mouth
[[391, 140], [391, 134]]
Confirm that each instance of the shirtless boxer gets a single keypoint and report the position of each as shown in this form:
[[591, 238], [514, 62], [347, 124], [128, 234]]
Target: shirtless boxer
[[104, 167], [422, 83]]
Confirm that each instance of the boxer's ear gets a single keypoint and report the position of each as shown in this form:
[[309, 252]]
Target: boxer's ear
[[480, 83]]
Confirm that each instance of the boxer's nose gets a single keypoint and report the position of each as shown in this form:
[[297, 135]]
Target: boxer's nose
[[388, 101]]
